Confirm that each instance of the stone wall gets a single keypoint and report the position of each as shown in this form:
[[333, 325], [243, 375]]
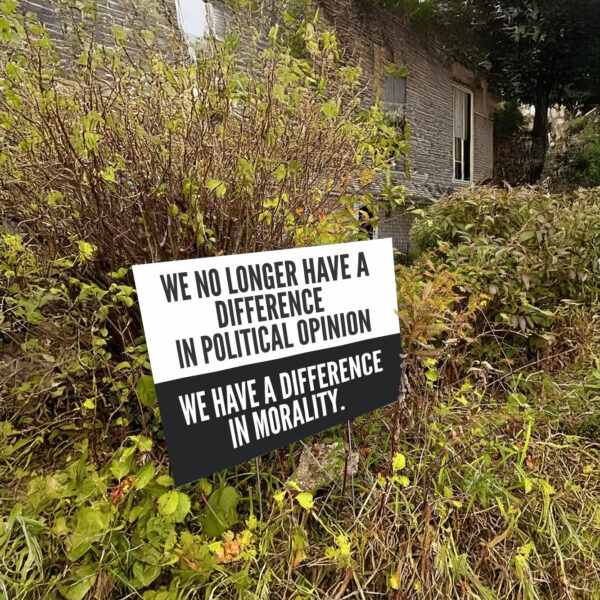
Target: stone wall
[[61, 19], [374, 37]]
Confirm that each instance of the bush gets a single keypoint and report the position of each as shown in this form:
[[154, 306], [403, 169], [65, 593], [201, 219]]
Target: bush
[[580, 163], [146, 158], [125, 159], [527, 252]]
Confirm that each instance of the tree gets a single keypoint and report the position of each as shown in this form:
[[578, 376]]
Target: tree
[[540, 52]]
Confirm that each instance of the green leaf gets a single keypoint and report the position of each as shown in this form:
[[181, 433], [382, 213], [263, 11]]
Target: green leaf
[[330, 109], [221, 511], [86, 251], [245, 168], [526, 235], [7, 7], [278, 497], [431, 374], [120, 35], [89, 404], [273, 34], [144, 476], [165, 480], [108, 174], [122, 462], [145, 391], [216, 186], [183, 508], [167, 503], [280, 173], [398, 462], [206, 486], [85, 578], [91, 523], [145, 574]]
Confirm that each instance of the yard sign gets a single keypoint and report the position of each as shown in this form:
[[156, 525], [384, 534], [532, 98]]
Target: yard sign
[[252, 352]]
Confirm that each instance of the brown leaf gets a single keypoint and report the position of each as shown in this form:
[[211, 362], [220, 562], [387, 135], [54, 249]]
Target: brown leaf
[[230, 552]]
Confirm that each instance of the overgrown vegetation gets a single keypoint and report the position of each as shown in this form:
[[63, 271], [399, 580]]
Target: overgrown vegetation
[[152, 158], [482, 481], [579, 163], [539, 52]]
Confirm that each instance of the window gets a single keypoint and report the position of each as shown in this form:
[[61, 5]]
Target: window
[[199, 19], [394, 94], [463, 135]]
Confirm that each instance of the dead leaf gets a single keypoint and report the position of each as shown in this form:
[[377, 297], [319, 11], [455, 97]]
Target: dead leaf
[[298, 557], [231, 551]]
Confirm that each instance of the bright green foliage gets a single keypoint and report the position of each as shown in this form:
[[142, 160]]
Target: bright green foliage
[[305, 500], [221, 511]]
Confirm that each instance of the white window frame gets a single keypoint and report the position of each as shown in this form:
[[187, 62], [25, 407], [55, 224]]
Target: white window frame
[[472, 140]]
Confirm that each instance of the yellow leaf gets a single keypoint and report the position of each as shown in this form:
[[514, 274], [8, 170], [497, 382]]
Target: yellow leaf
[[86, 251], [398, 462], [305, 500]]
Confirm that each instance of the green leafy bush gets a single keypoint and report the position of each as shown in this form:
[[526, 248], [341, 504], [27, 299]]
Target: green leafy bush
[[528, 252], [125, 158], [151, 157]]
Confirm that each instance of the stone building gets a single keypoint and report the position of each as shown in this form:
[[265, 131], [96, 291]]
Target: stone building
[[447, 107]]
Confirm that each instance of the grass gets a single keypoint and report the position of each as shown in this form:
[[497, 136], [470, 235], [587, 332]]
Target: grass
[[481, 482]]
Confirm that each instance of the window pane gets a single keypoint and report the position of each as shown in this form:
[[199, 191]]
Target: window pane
[[467, 160], [458, 148], [394, 93], [460, 107], [463, 135], [458, 171]]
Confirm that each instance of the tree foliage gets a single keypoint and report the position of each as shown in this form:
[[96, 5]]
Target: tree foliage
[[540, 52]]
